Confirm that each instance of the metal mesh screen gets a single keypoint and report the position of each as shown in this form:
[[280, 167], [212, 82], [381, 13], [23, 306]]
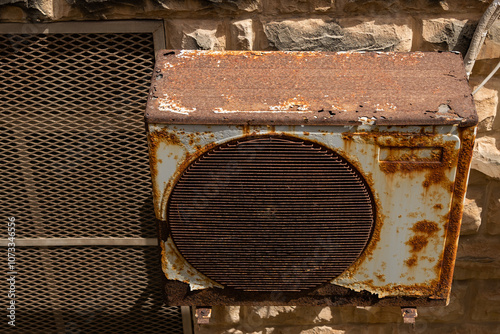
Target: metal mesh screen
[[91, 290], [73, 148], [73, 156]]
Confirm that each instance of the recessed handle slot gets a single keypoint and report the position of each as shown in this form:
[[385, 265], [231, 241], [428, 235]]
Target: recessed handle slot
[[410, 154]]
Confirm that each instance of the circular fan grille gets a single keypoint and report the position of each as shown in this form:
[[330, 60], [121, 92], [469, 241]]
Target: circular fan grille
[[270, 214]]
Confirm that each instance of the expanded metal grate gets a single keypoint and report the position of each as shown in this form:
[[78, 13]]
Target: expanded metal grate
[[271, 213], [91, 290], [73, 156], [73, 149]]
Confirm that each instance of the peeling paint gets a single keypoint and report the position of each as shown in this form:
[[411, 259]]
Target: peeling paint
[[206, 86], [176, 268], [168, 104], [273, 110]]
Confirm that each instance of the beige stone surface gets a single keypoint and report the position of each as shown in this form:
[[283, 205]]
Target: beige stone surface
[[493, 216], [12, 14], [454, 312], [224, 315], [322, 5], [471, 220], [242, 35], [486, 101], [325, 34], [287, 6], [447, 34], [455, 328], [322, 330], [350, 314], [486, 157], [439, 7], [196, 34], [486, 301], [478, 257]]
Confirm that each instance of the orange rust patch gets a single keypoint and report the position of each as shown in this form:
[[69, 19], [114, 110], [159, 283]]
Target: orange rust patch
[[425, 226], [306, 133], [417, 243], [438, 206], [438, 266], [381, 277], [428, 289], [423, 229], [156, 137], [412, 261], [437, 176], [438, 163]]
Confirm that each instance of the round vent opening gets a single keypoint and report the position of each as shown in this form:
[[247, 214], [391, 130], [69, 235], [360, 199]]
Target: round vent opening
[[270, 214]]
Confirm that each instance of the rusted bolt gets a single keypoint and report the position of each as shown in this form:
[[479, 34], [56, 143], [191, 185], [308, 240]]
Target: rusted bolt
[[409, 314], [203, 315]]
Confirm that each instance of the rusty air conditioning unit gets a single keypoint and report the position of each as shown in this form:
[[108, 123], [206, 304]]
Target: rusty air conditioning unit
[[309, 178]]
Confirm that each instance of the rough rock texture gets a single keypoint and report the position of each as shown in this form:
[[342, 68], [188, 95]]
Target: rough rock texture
[[493, 217], [486, 157], [447, 34], [195, 34], [339, 35], [242, 35], [486, 101], [471, 220], [342, 25]]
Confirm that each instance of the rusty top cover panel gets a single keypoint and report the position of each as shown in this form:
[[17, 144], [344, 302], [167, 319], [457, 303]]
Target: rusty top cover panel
[[257, 88]]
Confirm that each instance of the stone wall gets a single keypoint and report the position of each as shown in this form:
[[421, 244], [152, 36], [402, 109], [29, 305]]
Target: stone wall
[[338, 25]]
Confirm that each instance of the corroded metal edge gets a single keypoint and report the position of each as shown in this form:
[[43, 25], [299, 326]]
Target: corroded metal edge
[[467, 136], [179, 294], [443, 99], [175, 267]]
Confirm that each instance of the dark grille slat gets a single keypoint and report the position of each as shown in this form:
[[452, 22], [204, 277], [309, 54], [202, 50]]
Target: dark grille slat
[[270, 214]]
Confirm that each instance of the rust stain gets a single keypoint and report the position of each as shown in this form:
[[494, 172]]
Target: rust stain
[[453, 226], [292, 104], [417, 243], [164, 136], [412, 261], [423, 229], [436, 166], [425, 226], [438, 206], [435, 176], [417, 289]]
